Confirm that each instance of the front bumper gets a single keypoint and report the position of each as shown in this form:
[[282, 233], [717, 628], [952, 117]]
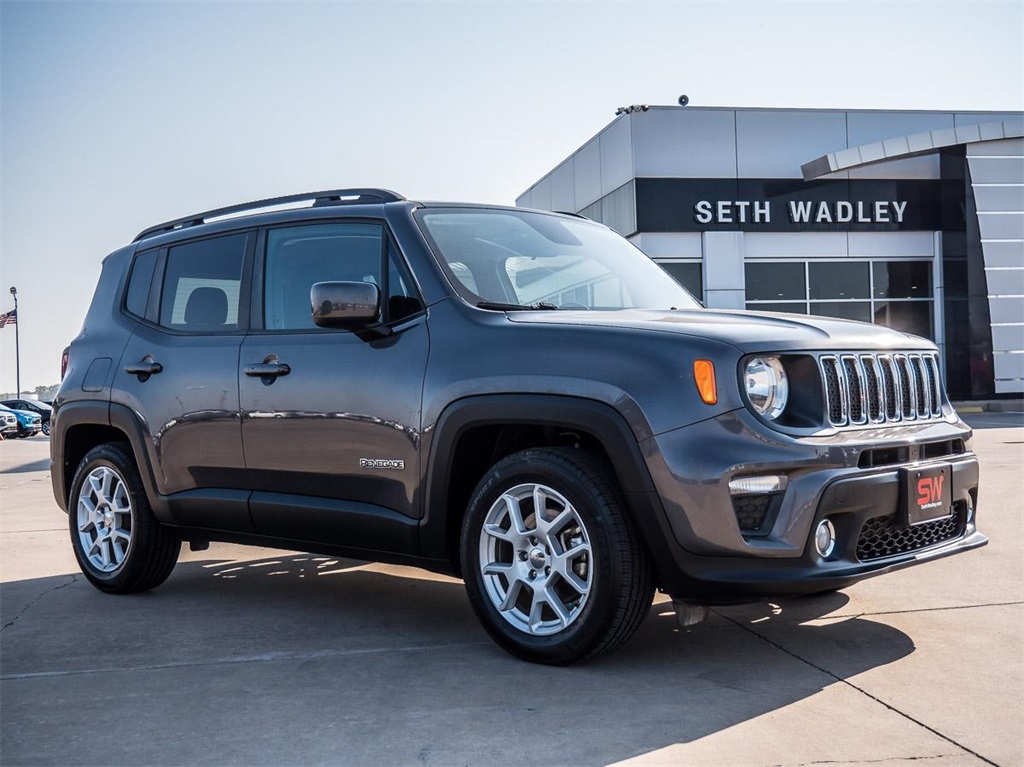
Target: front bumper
[[705, 556]]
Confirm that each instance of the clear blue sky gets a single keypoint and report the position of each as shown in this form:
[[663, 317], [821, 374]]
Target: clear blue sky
[[116, 116]]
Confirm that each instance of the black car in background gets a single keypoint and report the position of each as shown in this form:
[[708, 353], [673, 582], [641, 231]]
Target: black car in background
[[32, 406]]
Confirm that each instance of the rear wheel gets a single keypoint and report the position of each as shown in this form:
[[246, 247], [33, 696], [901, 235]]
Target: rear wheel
[[553, 567], [117, 541]]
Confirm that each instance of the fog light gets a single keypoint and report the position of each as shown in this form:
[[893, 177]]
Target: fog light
[[825, 539], [757, 485]]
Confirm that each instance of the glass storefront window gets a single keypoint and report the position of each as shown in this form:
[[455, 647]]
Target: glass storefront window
[[902, 279], [897, 294], [775, 282], [844, 310], [796, 307], [909, 316], [688, 274], [839, 280]]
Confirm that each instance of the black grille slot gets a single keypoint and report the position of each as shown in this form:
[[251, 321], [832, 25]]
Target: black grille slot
[[856, 390], [871, 382], [933, 384], [833, 392], [903, 375], [751, 511], [882, 537], [920, 382], [889, 386]]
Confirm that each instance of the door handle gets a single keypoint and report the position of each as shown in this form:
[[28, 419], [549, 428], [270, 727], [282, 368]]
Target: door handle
[[268, 370], [144, 368]]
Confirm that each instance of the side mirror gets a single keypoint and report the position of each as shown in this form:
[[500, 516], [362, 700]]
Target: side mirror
[[349, 305]]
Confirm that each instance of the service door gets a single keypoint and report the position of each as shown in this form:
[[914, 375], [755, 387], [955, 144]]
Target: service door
[[331, 433]]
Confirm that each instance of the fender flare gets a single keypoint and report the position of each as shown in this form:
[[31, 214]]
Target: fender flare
[[113, 415], [598, 419]]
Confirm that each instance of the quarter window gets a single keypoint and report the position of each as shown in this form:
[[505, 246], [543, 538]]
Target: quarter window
[[139, 282], [202, 285]]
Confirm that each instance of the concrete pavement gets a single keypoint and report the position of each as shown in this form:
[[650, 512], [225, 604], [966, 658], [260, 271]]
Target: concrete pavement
[[253, 656]]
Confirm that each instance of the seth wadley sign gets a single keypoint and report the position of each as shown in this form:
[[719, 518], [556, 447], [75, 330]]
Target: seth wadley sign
[[800, 212]]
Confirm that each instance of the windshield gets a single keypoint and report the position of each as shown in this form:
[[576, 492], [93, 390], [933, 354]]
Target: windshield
[[517, 259]]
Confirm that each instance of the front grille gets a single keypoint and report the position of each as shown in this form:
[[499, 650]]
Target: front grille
[[881, 388], [883, 537], [751, 511]]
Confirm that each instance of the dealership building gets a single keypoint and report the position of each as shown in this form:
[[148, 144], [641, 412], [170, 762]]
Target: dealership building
[[909, 219]]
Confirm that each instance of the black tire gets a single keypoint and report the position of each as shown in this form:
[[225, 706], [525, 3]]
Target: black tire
[[621, 586], [46, 428], [151, 551]]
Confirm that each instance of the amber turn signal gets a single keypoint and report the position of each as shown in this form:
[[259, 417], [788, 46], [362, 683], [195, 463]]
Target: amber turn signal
[[704, 375]]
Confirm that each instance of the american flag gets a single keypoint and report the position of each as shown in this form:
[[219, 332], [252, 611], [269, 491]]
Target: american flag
[[10, 318]]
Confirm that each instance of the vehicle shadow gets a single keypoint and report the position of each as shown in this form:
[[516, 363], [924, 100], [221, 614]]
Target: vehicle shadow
[[25, 468], [302, 659]]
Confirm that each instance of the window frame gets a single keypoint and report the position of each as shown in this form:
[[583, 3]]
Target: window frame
[[257, 291], [156, 287]]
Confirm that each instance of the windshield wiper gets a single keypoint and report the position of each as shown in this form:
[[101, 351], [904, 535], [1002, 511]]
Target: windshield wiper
[[541, 305]]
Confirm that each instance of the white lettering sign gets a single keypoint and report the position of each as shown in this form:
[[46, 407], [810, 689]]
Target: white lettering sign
[[800, 211]]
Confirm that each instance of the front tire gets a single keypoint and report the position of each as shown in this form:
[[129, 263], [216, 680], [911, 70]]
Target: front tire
[[553, 567], [119, 545]]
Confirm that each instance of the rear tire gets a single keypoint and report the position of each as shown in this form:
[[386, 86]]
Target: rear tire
[[568, 583], [118, 543]]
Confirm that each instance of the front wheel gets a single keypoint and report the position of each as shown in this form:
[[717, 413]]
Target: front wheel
[[552, 564], [46, 428], [117, 541]]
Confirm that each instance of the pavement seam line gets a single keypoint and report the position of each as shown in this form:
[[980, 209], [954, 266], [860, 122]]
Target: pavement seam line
[[868, 761], [847, 616], [268, 658], [861, 690], [27, 607]]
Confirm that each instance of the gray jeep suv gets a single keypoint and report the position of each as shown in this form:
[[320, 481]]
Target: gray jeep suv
[[517, 397]]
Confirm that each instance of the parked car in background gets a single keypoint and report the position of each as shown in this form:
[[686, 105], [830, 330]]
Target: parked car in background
[[32, 406], [29, 423], [8, 424]]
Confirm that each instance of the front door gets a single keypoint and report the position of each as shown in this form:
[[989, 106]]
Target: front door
[[332, 440]]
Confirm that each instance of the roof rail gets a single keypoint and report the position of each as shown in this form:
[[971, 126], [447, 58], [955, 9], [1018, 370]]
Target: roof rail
[[320, 199]]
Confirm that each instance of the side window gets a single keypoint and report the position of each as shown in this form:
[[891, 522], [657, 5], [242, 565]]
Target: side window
[[139, 282], [202, 284], [299, 256], [403, 301]]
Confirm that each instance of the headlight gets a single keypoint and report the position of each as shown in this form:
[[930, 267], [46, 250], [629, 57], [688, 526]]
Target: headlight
[[767, 386]]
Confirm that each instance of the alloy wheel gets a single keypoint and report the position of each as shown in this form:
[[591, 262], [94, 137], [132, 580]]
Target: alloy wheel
[[104, 519], [536, 559]]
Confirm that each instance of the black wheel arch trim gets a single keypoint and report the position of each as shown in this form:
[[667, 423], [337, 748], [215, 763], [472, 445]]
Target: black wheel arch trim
[[599, 419], [108, 414]]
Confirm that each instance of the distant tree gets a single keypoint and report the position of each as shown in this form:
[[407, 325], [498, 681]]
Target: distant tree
[[47, 393]]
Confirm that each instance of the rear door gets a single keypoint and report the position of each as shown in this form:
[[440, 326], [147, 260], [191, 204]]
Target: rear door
[[332, 446], [179, 373]]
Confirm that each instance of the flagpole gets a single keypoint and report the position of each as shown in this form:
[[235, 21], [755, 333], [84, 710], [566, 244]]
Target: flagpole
[[17, 345]]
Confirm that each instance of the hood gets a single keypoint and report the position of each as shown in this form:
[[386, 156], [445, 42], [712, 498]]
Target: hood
[[747, 331]]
